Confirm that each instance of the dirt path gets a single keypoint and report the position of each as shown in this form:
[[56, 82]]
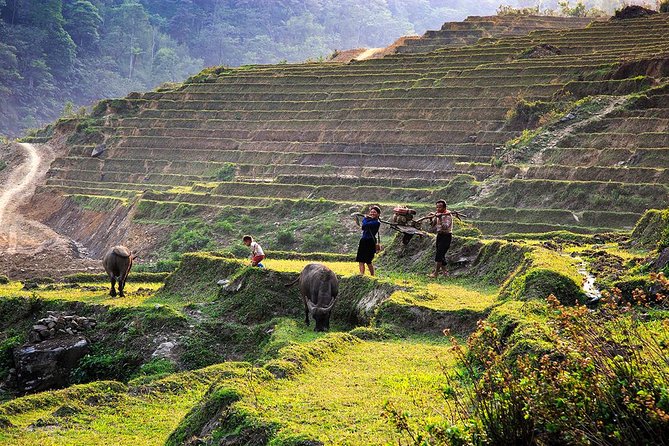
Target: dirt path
[[559, 135], [29, 247], [20, 180]]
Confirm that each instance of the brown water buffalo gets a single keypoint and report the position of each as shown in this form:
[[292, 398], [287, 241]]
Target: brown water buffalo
[[117, 263], [319, 287]]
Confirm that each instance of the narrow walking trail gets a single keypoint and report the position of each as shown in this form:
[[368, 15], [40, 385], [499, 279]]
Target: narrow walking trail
[[14, 190]]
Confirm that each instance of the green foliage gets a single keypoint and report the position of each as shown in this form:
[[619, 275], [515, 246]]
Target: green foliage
[[652, 230], [97, 203], [226, 173], [664, 6], [315, 256], [83, 50], [3, 165], [4, 280], [7, 346], [106, 363], [294, 358], [460, 188], [540, 283], [196, 277], [161, 266], [225, 226], [496, 261], [157, 368], [583, 89], [372, 333], [189, 238], [592, 387], [579, 10], [320, 238], [530, 114], [155, 210], [200, 349], [557, 236], [511, 10], [544, 272], [285, 238]]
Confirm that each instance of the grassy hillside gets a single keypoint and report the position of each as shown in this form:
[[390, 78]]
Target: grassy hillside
[[386, 371]]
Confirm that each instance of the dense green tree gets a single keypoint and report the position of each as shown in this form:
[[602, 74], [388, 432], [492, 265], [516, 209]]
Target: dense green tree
[[129, 35], [82, 22]]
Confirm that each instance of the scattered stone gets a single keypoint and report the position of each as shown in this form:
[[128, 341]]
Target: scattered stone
[[233, 287], [568, 117], [54, 323], [98, 150], [164, 350]]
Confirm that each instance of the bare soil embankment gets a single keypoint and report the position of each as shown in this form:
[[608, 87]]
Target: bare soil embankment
[[30, 248]]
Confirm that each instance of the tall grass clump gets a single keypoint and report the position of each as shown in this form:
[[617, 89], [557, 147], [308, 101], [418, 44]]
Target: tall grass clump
[[604, 380]]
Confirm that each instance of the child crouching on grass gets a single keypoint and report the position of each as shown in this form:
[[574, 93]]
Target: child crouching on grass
[[257, 254]]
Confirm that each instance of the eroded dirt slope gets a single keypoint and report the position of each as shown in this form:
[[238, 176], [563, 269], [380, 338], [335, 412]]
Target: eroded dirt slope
[[28, 247]]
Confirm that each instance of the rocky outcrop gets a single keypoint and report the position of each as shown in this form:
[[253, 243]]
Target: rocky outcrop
[[47, 365], [55, 346]]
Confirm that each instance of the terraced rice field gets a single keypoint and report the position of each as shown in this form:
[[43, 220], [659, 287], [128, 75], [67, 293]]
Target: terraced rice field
[[398, 129]]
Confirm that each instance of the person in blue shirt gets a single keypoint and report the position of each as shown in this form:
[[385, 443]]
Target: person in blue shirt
[[368, 245]]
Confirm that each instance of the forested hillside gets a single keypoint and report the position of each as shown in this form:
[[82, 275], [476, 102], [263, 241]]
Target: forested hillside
[[57, 51]]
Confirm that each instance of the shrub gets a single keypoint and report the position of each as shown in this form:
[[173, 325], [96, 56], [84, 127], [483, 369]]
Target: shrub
[[141, 275], [528, 114], [161, 266], [4, 280], [510, 10], [225, 226], [579, 10], [317, 242], [226, 173], [652, 230], [3, 165], [187, 238], [664, 6], [285, 238], [603, 381], [105, 364], [239, 250]]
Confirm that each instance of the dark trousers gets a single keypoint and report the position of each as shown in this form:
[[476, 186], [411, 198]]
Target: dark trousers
[[443, 243]]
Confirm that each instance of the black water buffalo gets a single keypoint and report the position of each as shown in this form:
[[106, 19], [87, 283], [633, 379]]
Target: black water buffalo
[[117, 263], [319, 287]]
